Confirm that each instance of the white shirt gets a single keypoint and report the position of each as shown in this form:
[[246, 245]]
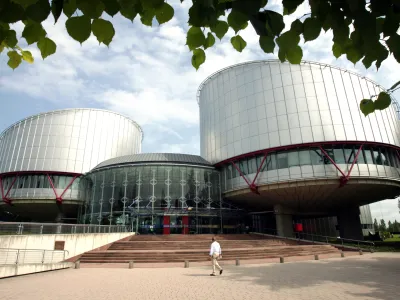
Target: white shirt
[[215, 248]]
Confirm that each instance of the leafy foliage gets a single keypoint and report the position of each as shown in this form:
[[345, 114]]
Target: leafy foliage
[[365, 31]]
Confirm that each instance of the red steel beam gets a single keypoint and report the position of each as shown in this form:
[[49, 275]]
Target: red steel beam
[[9, 189], [259, 168], [52, 186], [345, 179], [2, 192], [331, 160], [65, 190], [252, 186]]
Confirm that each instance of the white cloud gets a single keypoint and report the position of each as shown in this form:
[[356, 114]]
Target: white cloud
[[387, 210]]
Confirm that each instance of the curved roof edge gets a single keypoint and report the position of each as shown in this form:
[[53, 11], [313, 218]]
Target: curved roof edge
[[142, 158], [70, 109], [278, 61]]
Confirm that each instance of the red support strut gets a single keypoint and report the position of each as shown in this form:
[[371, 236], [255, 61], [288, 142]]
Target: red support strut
[[5, 197], [59, 199]]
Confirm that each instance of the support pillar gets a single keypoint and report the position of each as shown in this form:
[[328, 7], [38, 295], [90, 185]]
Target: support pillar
[[284, 221], [350, 224], [166, 223], [185, 224]]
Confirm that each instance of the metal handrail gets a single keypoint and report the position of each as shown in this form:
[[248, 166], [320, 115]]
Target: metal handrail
[[58, 228], [327, 238], [21, 256]]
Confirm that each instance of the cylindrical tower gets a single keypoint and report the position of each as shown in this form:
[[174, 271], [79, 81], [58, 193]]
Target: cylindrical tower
[[42, 156], [291, 138]]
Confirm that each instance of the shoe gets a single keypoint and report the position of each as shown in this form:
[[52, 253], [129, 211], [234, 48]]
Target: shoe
[[220, 272], [212, 274]]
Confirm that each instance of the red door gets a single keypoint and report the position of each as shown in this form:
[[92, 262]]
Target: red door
[[185, 224], [166, 223]]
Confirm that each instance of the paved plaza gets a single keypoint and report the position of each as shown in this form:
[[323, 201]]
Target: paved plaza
[[371, 276]]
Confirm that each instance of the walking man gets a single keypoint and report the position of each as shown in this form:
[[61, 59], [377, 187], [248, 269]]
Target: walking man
[[215, 253]]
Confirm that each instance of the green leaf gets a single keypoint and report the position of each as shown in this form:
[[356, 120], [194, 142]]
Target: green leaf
[[11, 12], [91, 8], [195, 38], [353, 54], [56, 9], [46, 46], [395, 85], [367, 106], [237, 20], [27, 56], [103, 30], [14, 59], [337, 50], [297, 27], [147, 16], [274, 23], [11, 38], [238, 43], [210, 41], [79, 28], [288, 40], [282, 55], [25, 3], [267, 44], [220, 29], [383, 101], [165, 13], [33, 32], [312, 29], [112, 7], [198, 58], [129, 12], [291, 5], [39, 11], [294, 55], [69, 7]]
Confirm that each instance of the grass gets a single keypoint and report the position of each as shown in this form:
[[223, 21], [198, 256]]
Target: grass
[[395, 238]]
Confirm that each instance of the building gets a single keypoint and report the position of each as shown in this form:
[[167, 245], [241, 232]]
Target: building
[[291, 140], [281, 146], [42, 158]]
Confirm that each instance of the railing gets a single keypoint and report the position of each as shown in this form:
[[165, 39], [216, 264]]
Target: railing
[[334, 240], [320, 238], [31, 256], [11, 228]]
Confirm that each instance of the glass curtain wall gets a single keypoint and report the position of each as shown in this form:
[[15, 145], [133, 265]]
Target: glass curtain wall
[[341, 154], [142, 195]]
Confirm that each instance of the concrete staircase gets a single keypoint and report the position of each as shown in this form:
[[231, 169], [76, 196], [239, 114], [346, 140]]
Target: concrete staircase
[[177, 248]]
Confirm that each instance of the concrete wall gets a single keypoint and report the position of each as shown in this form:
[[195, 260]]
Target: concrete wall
[[76, 244], [15, 270]]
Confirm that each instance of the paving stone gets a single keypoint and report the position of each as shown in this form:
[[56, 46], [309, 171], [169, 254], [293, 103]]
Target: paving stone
[[370, 276]]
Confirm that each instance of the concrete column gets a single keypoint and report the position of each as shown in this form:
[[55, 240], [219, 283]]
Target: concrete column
[[284, 221], [350, 224]]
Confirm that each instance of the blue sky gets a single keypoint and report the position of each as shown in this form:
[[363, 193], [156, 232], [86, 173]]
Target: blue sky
[[146, 74]]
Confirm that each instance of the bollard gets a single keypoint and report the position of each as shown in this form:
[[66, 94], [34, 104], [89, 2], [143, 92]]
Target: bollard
[[316, 257], [131, 264], [186, 264], [77, 264], [281, 259], [342, 254], [372, 250], [361, 253], [237, 262]]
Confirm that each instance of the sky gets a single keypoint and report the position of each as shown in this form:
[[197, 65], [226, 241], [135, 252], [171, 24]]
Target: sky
[[146, 74]]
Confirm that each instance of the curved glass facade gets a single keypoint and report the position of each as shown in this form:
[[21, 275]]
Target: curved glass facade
[[168, 197], [310, 162]]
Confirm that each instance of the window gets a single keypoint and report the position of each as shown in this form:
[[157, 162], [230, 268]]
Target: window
[[282, 159], [252, 165], [293, 159], [244, 168], [339, 155], [317, 158], [368, 155], [377, 157], [271, 162], [304, 157]]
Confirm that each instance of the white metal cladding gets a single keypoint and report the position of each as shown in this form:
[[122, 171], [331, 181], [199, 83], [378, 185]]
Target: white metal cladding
[[265, 104], [71, 140]]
